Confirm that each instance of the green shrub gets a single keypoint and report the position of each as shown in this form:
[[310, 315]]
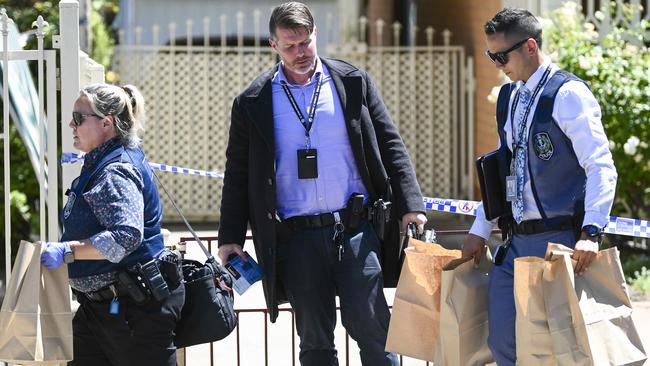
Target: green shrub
[[618, 71], [640, 282], [103, 42]]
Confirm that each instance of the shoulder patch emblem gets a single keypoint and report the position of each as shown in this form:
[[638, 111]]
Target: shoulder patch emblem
[[543, 146]]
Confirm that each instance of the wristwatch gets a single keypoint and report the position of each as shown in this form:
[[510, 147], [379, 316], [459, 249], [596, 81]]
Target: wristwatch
[[68, 254], [592, 231]]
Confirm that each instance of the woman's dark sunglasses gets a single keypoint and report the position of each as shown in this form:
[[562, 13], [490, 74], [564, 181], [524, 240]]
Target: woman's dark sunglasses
[[78, 118], [502, 57]]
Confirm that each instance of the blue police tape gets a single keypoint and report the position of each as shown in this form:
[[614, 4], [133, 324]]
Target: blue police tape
[[617, 225], [71, 158]]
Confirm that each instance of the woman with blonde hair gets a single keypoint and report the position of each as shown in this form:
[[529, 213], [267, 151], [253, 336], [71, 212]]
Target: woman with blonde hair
[[128, 287]]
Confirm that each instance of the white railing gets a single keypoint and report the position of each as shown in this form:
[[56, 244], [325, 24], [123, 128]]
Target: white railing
[[47, 168], [190, 87], [75, 69]]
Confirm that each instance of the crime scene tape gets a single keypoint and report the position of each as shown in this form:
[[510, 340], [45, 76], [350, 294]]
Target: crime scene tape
[[616, 225], [71, 158]]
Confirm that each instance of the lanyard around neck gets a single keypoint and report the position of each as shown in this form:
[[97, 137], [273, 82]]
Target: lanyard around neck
[[306, 123], [529, 106]]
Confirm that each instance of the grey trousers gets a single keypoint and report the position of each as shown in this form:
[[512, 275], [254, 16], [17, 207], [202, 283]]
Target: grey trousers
[[312, 276]]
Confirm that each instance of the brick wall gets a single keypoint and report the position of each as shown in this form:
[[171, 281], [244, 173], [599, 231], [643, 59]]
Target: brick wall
[[384, 10], [465, 19]]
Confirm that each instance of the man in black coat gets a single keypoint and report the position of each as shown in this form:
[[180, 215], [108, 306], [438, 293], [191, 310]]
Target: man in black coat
[[305, 138]]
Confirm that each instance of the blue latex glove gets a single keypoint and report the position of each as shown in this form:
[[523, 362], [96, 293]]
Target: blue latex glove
[[52, 256]]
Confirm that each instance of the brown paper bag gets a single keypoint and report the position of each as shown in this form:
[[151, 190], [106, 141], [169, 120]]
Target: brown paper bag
[[414, 324], [464, 313], [565, 322], [534, 342], [36, 318], [593, 312]]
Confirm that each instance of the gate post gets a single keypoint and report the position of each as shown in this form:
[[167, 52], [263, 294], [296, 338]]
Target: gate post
[[4, 29], [69, 56]]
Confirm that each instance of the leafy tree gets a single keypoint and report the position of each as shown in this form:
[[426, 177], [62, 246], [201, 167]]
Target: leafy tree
[[618, 72], [23, 196], [617, 69]]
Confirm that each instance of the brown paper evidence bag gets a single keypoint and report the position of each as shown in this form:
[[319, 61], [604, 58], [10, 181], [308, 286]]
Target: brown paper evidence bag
[[440, 310], [36, 318], [564, 319], [440, 307]]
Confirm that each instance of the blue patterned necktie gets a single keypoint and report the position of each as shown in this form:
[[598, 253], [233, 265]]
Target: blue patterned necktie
[[520, 149]]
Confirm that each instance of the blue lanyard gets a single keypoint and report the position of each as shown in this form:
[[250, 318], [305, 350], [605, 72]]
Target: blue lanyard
[[309, 122]]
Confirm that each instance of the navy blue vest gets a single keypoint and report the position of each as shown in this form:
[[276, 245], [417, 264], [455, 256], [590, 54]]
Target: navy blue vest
[[79, 222], [557, 179]]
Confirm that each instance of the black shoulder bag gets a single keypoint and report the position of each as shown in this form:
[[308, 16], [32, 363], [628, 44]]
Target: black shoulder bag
[[208, 314]]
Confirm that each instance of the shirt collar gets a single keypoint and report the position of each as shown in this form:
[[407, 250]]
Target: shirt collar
[[279, 76], [92, 157], [534, 79]]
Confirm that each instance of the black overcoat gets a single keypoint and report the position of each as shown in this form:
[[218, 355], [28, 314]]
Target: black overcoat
[[249, 194]]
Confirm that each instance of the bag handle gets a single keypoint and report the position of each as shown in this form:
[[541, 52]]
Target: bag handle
[[189, 227]]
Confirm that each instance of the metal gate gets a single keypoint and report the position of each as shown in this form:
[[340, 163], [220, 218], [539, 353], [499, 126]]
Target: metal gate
[[75, 69], [47, 131]]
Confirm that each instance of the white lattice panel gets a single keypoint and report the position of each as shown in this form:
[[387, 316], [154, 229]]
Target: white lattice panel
[[417, 87], [442, 139], [189, 95], [409, 127], [425, 155]]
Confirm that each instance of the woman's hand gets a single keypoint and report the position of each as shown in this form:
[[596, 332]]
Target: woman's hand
[[53, 252]]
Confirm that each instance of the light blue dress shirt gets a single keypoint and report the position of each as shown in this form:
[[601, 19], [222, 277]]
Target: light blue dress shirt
[[338, 175]]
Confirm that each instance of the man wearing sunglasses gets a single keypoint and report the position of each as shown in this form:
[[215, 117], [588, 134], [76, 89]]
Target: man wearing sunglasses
[[561, 179]]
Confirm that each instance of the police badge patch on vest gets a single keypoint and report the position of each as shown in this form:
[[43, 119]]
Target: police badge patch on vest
[[68, 205], [543, 146]]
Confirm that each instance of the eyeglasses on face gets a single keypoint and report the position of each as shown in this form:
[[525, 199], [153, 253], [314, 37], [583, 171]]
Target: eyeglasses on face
[[78, 118], [502, 57]]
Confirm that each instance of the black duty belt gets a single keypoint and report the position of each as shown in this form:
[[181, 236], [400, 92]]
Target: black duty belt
[[105, 294], [530, 227], [318, 221]]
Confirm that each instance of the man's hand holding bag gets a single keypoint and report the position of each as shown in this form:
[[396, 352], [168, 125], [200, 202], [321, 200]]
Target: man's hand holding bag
[[413, 329]]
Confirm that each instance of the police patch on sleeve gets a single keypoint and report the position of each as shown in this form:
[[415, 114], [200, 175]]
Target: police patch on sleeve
[[68, 206], [543, 146]]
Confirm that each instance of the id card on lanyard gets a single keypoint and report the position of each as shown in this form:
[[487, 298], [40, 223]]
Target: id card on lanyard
[[522, 141], [308, 157]]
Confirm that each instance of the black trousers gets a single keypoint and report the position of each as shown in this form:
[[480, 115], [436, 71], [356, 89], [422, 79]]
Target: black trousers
[[137, 335], [312, 276]]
